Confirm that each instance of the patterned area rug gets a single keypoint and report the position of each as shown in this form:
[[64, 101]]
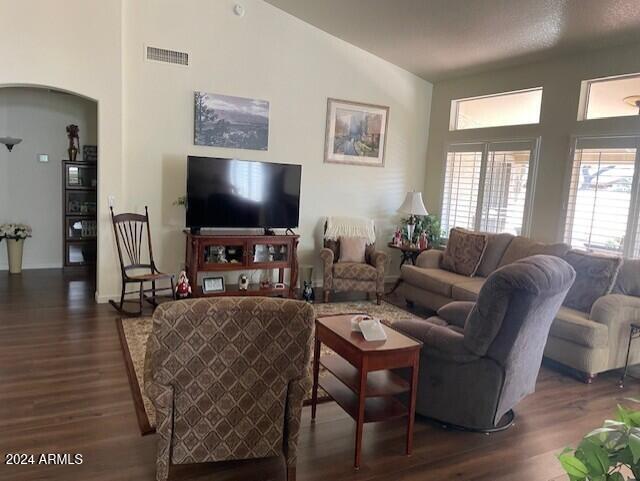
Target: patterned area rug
[[135, 331]]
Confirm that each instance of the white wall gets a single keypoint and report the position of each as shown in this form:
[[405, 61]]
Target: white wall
[[269, 55], [31, 191], [561, 79], [76, 48]]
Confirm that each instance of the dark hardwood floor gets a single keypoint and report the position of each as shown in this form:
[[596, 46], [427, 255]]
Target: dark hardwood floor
[[64, 389]]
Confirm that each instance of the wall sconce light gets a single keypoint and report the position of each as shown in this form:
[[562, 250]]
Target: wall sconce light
[[10, 142]]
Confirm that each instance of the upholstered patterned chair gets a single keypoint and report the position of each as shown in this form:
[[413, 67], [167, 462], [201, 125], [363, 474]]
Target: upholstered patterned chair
[[227, 377], [366, 277], [480, 359]]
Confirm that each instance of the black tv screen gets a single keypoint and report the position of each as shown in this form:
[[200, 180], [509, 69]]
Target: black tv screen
[[241, 193]]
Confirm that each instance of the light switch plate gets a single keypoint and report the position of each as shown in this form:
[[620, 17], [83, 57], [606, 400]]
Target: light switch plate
[[43, 158]]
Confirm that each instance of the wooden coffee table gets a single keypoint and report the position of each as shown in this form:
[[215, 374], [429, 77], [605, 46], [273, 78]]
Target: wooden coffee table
[[359, 377]]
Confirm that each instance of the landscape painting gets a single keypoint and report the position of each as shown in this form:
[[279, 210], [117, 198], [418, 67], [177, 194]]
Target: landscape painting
[[231, 122], [356, 133]]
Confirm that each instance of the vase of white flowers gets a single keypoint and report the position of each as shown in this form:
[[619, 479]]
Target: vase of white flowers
[[14, 235]]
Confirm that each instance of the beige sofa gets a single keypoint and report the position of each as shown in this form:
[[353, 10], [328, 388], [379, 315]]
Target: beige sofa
[[589, 342]]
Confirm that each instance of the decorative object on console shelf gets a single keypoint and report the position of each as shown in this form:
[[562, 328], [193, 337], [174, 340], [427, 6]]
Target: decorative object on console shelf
[[213, 284], [243, 282], [90, 153], [356, 133], [414, 206], [74, 141], [183, 289], [231, 122], [14, 235]]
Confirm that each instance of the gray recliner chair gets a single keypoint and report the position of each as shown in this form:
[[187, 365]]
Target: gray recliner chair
[[480, 359]]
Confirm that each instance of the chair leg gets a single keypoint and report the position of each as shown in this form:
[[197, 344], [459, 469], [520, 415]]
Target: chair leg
[[378, 298], [326, 295], [291, 473], [141, 296]]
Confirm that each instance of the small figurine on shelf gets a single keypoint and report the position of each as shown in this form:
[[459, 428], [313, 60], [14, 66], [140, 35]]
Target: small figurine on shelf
[[397, 238], [307, 292], [422, 242], [243, 282], [272, 253], [183, 289], [218, 255], [74, 141]]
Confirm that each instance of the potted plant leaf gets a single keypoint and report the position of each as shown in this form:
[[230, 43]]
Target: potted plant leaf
[[15, 234], [609, 453]]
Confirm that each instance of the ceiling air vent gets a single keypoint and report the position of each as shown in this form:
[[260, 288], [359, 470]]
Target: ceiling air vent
[[167, 56]]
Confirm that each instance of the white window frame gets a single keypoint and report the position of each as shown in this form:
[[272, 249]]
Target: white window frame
[[455, 108], [585, 92], [634, 203], [534, 144]]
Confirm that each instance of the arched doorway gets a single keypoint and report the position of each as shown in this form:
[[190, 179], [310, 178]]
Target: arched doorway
[[42, 187]]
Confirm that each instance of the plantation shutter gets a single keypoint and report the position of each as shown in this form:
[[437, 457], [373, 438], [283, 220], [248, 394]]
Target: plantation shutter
[[506, 180], [602, 193], [461, 186]]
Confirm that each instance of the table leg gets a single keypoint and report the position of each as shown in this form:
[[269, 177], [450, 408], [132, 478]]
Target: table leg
[[316, 370], [362, 396], [412, 403], [626, 362]]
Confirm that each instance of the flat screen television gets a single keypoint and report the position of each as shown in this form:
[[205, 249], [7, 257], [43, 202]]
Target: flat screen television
[[241, 193]]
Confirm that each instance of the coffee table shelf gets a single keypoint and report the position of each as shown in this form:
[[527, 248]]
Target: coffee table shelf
[[376, 409], [379, 383]]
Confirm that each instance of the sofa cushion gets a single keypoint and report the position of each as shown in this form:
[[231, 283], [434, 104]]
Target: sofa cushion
[[575, 326], [521, 247], [464, 251], [595, 276], [355, 270], [496, 246], [628, 281], [467, 290], [434, 280]]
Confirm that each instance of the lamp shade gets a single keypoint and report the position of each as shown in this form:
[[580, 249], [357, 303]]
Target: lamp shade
[[413, 204], [10, 142]]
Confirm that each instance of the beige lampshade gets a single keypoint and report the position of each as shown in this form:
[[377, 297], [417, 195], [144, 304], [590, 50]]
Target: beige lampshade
[[413, 204]]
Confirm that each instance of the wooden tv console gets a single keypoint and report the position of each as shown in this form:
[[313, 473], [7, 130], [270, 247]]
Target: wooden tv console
[[242, 253]]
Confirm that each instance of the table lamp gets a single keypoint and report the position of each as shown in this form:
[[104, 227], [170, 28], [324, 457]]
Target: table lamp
[[412, 205]]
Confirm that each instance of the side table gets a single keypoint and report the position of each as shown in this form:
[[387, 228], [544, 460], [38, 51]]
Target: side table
[[634, 332], [409, 253], [359, 377]]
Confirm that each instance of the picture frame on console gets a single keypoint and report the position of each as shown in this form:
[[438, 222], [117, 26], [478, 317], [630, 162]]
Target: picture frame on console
[[356, 133], [213, 284]]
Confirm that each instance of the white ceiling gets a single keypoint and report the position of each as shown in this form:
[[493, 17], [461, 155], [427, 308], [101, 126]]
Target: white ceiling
[[439, 39]]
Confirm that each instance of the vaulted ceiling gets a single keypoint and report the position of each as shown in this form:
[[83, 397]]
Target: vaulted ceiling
[[439, 39]]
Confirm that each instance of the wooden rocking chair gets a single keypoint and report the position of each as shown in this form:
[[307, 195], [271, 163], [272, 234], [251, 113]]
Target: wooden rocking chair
[[128, 229]]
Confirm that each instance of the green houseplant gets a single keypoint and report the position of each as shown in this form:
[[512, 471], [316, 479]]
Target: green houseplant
[[429, 224], [609, 453]]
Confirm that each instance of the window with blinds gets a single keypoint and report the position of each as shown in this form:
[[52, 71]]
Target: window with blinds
[[461, 185], [488, 187], [602, 203]]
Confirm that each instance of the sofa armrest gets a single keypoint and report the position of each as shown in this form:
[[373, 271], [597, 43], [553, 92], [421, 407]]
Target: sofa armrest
[[379, 260], [456, 312], [429, 259], [617, 312], [438, 341], [327, 265]]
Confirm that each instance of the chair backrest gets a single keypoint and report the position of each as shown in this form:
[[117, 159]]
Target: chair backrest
[[512, 317], [129, 229], [334, 245], [230, 361]]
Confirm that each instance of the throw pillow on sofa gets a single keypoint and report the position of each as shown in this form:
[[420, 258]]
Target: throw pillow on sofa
[[464, 251], [352, 249], [595, 277], [521, 247]]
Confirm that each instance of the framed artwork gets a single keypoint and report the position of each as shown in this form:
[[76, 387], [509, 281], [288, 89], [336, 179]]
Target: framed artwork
[[231, 122], [356, 133], [213, 284]]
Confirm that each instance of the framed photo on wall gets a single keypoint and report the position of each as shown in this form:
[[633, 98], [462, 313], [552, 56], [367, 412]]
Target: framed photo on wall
[[356, 133], [230, 122]]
